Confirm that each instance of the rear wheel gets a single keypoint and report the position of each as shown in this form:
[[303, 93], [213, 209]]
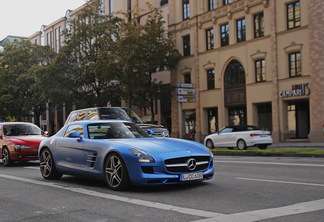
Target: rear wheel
[[116, 173], [210, 144], [241, 145], [6, 160], [47, 165]]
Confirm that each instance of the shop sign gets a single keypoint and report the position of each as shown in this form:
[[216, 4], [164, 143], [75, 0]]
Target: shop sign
[[296, 90]]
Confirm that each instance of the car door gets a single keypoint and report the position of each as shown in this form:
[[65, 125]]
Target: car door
[[70, 150], [223, 139]]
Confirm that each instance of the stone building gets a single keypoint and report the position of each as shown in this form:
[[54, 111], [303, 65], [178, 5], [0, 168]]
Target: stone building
[[257, 62]]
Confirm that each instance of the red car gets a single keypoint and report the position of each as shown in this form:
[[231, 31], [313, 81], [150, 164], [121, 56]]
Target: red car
[[19, 141]]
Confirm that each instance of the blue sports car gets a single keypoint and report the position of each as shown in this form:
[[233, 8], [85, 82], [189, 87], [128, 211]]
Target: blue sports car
[[122, 154]]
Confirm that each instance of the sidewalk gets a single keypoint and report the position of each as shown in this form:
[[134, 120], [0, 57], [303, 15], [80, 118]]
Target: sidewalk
[[297, 145]]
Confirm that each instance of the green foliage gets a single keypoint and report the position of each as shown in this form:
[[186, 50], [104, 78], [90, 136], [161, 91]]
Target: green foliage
[[104, 59], [20, 96]]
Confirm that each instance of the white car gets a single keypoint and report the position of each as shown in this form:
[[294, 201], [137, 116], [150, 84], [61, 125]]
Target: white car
[[241, 137]]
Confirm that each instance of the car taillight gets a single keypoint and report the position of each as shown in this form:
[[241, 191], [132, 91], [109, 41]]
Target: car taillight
[[254, 134]]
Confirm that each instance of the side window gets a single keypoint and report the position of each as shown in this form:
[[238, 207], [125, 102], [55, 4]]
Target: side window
[[82, 115], [226, 130], [93, 114], [71, 128], [73, 117]]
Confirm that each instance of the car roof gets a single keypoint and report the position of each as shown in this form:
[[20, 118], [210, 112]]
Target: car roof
[[92, 108], [98, 121], [14, 123]]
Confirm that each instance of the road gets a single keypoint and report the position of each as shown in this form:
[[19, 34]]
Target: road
[[268, 189]]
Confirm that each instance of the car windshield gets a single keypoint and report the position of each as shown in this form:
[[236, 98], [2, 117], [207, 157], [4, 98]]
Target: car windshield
[[133, 115], [21, 129], [115, 130], [112, 113]]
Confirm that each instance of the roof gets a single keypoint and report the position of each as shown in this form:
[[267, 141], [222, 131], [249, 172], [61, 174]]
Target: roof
[[10, 39]]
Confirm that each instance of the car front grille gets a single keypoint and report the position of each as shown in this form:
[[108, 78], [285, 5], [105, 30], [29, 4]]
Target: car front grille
[[181, 164]]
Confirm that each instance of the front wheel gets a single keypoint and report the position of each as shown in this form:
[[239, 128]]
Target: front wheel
[[241, 145], [209, 144], [116, 172], [6, 160], [47, 165]]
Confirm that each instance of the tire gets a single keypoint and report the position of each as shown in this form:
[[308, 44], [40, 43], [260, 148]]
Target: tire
[[6, 160], [116, 173], [210, 144], [263, 147], [47, 165], [241, 145]]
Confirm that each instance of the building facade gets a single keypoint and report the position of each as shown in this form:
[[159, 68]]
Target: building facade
[[255, 62]]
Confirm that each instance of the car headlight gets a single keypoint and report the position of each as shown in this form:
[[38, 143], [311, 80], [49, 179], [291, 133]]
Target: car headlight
[[210, 152], [165, 133], [142, 156], [17, 147]]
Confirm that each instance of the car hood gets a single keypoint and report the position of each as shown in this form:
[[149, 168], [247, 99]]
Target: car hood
[[31, 140], [163, 145]]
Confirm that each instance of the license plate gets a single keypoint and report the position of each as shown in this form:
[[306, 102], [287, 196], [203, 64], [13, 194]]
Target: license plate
[[263, 135], [192, 176]]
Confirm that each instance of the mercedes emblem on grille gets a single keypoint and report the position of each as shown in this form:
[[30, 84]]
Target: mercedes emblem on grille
[[191, 164]]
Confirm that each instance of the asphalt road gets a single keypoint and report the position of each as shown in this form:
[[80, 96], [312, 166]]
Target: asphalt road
[[267, 189]]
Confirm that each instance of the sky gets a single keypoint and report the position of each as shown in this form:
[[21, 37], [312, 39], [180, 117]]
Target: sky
[[25, 17]]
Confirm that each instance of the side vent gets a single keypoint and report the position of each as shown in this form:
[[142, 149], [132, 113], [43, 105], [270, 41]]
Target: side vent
[[92, 159]]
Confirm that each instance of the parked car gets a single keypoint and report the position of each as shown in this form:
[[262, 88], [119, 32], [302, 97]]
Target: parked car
[[238, 136], [122, 154], [116, 113], [19, 141]]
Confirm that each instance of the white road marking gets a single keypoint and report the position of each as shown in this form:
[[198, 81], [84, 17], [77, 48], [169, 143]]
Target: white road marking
[[161, 206], [250, 216], [281, 181], [270, 163], [264, 214], [33, 168]]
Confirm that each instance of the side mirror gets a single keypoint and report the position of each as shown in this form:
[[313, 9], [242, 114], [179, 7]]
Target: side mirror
[[149, 132], [45, 133], [75, 134]]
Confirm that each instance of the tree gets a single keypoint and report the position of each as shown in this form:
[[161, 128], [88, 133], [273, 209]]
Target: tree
[[83, 70], [20, 96], [143, 50]]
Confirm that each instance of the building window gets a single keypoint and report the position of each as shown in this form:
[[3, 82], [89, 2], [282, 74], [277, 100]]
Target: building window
[[258, 25], [209, 39], [240, 30], [294, 64], [212, 120], [210, 79], [260, 73], [186, 45], [187, 78], [224, 32], [111, 7], [293, 15], [186, 9], [226, 2], [211, 5], [163, 2]]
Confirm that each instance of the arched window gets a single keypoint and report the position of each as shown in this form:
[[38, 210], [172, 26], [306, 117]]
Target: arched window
[[234, 74]]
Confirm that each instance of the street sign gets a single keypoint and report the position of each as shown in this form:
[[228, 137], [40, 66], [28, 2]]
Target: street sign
[[186, 99], [186, 85], [184, 91]]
